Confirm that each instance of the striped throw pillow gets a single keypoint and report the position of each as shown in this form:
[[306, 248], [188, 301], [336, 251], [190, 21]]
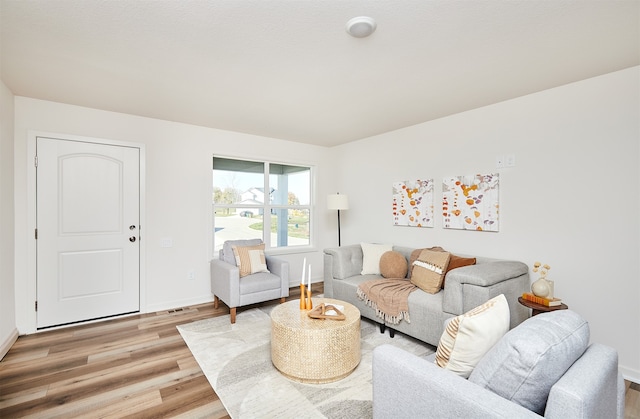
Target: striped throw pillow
[[250, 259], [468, 337]]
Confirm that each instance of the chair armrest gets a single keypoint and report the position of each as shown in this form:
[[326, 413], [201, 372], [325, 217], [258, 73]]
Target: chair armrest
[[407, 386], [590, 388], [279, 267], [225, 282]]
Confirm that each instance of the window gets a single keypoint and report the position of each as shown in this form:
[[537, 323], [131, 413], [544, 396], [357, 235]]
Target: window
[[253, 199]]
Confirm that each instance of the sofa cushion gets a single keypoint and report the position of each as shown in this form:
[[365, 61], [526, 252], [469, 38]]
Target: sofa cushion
[[529, 359], [250, 259], [429, 270], [393, 265], [371, 254], [468, 337]]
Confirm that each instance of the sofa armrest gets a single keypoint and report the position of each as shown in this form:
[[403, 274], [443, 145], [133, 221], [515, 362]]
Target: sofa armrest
[[225, 282], [347, 261], [279, 267], [407, 386], [470, 286], [488, 273], [590, 388]]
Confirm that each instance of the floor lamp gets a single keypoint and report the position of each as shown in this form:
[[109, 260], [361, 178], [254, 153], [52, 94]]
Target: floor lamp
[[338, 202]]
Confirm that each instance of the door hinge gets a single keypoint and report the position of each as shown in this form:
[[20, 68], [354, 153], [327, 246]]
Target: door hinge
[[36, 234], [35, 161], [36, 305]]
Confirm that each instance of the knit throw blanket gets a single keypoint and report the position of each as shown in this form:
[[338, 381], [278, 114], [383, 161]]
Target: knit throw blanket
[[388, 297]]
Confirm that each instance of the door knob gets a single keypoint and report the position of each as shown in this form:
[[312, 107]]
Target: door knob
[[132, 239]]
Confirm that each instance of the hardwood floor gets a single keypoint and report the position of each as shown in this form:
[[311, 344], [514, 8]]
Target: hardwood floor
[[134, 367]]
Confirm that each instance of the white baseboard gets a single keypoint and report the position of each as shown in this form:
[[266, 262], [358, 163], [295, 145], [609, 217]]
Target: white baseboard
[[168, 305], [8, 343], [630, 374]]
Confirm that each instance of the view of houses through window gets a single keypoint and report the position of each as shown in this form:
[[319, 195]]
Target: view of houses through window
[[253, 199]]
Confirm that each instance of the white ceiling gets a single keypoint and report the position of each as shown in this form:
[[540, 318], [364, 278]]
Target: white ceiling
[[288, 69]]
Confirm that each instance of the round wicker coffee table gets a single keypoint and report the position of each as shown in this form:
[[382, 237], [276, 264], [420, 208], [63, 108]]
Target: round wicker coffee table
[[312, 350]]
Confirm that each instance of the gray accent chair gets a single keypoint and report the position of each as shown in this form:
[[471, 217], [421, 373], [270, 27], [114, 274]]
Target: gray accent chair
[[226, 284], [545, 367]]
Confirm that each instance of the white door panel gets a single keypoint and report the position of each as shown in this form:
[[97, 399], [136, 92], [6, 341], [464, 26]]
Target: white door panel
[[88, 231]]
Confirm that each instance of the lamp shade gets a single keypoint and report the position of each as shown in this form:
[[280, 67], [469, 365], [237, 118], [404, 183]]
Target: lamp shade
[[337, 202]]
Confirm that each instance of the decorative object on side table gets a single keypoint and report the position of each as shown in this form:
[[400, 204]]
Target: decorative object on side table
[[549, 302], [540, 308], [542, 287], [541, 299]]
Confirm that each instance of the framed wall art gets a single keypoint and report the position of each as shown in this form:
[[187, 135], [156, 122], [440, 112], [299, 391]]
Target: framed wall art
[[471, 202], [412, 203]]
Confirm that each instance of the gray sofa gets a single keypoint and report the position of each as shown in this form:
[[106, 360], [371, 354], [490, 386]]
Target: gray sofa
[[466, 288], [544, 367]]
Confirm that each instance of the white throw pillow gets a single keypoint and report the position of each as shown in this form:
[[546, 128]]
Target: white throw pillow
[[371, 254], [469, 337]]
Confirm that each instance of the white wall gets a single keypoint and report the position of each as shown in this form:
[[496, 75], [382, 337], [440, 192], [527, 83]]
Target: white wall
[[178, 195], [572, 200], [8, 331]]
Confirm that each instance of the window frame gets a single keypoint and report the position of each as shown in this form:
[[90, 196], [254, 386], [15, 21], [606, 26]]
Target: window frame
[[268, 206]]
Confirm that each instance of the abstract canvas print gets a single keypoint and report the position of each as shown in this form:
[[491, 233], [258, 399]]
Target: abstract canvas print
[[413, 203], [471, 202]]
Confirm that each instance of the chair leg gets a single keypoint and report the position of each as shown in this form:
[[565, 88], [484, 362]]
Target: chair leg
[[216, 301], [282, 300], [232, 311]]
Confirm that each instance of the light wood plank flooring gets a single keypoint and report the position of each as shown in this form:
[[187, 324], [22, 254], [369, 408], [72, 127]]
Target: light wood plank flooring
[[133, 367]]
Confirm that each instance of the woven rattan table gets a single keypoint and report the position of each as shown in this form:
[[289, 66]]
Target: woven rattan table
[[312, 350]]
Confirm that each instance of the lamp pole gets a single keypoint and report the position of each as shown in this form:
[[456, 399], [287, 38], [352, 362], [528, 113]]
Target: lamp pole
[[338, 202], [338, 228]]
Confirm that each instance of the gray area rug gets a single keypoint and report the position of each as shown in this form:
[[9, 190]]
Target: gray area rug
[[236, 359]]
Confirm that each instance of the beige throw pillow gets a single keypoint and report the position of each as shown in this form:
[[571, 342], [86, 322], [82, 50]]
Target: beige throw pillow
[[469, 337], [250, 259], [429, 270]]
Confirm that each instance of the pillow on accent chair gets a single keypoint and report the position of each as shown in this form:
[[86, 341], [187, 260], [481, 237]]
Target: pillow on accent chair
[[393, 265], [250, 259], [371, 254], [531, 358], [468, 337], [227, 255]]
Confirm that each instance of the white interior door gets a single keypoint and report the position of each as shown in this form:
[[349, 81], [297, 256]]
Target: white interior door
[[88, 212]]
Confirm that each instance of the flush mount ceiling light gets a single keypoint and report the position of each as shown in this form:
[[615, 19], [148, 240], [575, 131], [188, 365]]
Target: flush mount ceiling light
[[361, 27]]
